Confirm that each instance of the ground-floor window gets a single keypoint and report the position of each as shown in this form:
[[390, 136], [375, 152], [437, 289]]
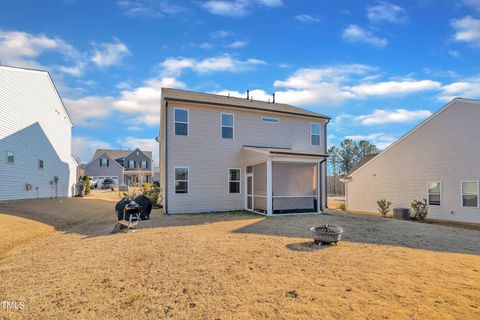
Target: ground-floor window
[[470, 194], [181, 180], [233, 180], [434, 193]]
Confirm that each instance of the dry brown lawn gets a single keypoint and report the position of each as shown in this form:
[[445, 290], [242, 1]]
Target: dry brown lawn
[[58, 257]]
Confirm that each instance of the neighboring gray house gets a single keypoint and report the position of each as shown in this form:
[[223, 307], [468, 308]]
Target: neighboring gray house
[[123, 166], [220, 153], [438, 160]]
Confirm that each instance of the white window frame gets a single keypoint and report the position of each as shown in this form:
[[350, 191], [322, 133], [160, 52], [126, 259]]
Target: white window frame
[[142, 166], [462, 194], [441, 194], [239, 181], [175, 180], [131, 166], [175, 122], [40, 167], [106, 163], [319, 134], [6, 157], [232, 126], [275, 120]]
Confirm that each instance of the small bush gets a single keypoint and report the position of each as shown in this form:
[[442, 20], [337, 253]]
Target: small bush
[[146, 185], [87, 184], [342, 206], [153, 193], [384, 206], [134, 184], [420, 208]]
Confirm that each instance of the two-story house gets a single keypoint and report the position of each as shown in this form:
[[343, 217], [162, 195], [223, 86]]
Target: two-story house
[[220, 153], [123, 166]]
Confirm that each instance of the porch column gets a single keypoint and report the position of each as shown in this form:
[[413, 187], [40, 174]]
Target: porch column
[[269, 188], [319, 186]]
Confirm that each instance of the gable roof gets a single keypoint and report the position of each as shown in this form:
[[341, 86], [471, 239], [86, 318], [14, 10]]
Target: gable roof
[[423, 123], [30, 70], [118, 154], [234, 102], [113, 161]]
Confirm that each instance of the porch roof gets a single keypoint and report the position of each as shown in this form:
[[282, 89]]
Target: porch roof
[[278, 151]]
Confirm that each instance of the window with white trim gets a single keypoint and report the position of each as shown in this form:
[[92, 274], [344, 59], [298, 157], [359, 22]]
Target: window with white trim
[[131, 164], [104, 162], [434, 193], [181, 180], [233, 180], [470, 194], [10, 157], [270, 120], [143, 164], [227, 125], [315, 134], [181, 121]]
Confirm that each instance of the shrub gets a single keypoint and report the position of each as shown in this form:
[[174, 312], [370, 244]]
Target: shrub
[[146, 185], [420, 208], [87, 184], [342, 206], [384, 206], [153, 193]]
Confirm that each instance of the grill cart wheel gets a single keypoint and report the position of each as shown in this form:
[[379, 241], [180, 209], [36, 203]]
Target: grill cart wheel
[[326, 234]]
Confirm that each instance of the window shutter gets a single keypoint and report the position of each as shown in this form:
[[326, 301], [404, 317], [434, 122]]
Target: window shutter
[[108, 162], [100, 161]]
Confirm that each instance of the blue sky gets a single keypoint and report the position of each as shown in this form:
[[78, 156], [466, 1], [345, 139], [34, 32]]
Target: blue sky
[[377, 68]]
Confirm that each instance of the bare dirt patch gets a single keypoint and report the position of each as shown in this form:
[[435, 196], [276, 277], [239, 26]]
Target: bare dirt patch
[[237, 266]]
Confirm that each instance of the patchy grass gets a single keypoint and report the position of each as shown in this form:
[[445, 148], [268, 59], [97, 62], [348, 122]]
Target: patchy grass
[[232, 266]]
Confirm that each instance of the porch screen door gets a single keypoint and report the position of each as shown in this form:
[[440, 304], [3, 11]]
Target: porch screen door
[[250, 191]]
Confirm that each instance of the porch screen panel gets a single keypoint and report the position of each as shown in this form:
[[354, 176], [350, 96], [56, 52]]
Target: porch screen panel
[[260, 187], [294, 186]]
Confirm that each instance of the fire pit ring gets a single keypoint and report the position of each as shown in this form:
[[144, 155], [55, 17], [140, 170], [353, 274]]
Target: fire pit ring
[[325, 234]]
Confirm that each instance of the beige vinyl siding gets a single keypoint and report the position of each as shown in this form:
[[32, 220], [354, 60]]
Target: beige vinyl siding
[[209, 157], [444, 149]]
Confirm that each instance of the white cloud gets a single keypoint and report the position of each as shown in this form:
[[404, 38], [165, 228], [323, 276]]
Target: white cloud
[[454, 53], [238, 44], [355, 34], [221, 34], [379, 116], [148, 8], [22, 49], [469, 88], [144, 102], [109, 53], [381, 140], [83, 148], [144, 144], [237, 8], [175, 66], [384, 11], [394, 87], [90, 108], [467, 30], [306, 18]]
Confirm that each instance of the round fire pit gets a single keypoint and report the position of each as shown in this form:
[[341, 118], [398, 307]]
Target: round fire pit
[[328, 233]]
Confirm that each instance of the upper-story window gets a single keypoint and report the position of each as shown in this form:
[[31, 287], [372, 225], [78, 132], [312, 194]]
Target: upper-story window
[[181, 122], [104, 162], [227, 125], [315, 134], [41, 164], [10, 157], [131, 164], [270, 120], [144, 164]]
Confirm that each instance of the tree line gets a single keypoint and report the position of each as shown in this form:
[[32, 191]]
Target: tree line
[[344, 157]]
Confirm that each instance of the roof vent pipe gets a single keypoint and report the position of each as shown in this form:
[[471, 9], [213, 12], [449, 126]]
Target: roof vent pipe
[[273, 97], [248, 94]]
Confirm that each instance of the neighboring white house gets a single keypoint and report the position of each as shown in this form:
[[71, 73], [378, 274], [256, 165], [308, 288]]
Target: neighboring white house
[[439, 160], [35, 137], [219, 153]]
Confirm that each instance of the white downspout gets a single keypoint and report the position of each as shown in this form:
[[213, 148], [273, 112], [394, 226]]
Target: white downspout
[[269, 188]]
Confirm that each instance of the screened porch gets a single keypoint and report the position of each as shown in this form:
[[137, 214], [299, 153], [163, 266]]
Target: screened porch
[[282, 181]]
